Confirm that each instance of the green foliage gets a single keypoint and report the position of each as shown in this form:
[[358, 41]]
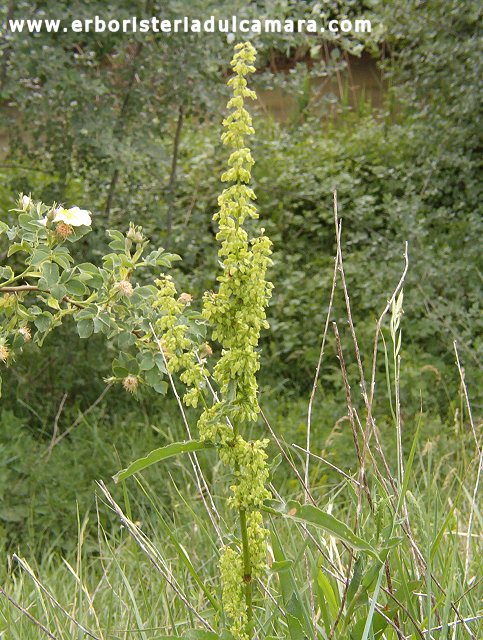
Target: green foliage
[[437, 510], [160, 454], [380, 544], [97, 114], [101, 300], [43, 487], [388, 193]]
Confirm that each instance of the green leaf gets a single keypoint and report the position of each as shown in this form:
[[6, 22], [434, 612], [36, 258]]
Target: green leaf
[[27, 221], [295, 619], [39, 255], [118, 370], [313, 515], [161, 454], [102, 322], [146, 361], [282, 565], [127, 363], [43, 321], [378, 625], [141, 294], [85, 328], [356, 579], [62, 259], [90, 274], [58, 291], [87, 313], [328, 593], [19, 246], [153, 377], [50, 276], [161, 387], [125, 339], [295, 616], [159, 360], [76, 287], [78, 233], [6, 273], [118, 241]]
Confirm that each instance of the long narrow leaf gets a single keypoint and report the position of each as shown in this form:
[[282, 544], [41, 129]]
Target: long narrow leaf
[[313, 515], [161, 454]]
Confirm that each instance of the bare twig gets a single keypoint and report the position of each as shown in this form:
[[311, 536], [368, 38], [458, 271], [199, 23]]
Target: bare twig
[[309, 431], [329, 464], [378, 330], [406, 611], [336, 572], [287, 458], [350, 413], [152, 554], [361, 484], [317, 375], [56, 424], [90, 598], [79, 419], [30, 287], [479, 450], [369, 398], [344, 596], [463, 621]]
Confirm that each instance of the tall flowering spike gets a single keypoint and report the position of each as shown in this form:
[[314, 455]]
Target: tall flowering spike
[[237, 315], [237, 311]]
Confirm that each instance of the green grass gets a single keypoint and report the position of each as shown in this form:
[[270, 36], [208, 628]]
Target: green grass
[[111, 587]]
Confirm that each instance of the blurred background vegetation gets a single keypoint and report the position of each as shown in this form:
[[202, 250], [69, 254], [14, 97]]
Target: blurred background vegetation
[[129, 126]]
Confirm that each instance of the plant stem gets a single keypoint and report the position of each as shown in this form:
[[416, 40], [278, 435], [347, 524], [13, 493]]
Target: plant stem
[[172, 176], [247, 569], [17, 277], [29, 287], [247, 561]]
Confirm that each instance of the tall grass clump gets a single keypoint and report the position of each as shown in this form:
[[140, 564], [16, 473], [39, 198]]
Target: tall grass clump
[[258, 537]]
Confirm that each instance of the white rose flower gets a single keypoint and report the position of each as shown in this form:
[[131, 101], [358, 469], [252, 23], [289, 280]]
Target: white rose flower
[[74, 216]]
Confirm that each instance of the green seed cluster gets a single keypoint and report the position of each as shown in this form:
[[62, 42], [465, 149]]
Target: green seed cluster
[[251, 472], [231, 567], [177, 347], [237, 314], [237, 310]]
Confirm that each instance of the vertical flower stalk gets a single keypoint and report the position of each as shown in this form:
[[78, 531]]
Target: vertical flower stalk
[[237, 314]]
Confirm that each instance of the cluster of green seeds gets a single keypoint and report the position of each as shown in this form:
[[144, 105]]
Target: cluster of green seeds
[[237, 314]]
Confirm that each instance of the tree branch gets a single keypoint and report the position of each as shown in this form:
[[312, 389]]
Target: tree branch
[[31, 287]]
